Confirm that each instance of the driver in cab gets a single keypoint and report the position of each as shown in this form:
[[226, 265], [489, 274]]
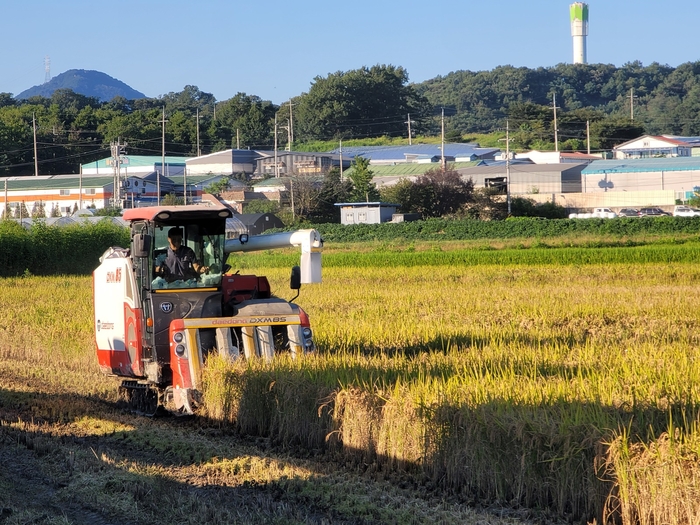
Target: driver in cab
[[180, 262]]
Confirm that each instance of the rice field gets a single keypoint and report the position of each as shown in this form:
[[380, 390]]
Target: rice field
[[545, 378]]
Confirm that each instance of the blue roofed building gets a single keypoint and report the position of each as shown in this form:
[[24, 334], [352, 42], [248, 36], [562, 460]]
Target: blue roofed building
[[419, 153], [655, 181]]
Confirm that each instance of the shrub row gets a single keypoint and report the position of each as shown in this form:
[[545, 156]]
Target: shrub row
[[447, 229], [55, 250]]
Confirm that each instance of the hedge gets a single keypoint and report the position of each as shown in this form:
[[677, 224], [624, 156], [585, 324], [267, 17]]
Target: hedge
[[56, 250]]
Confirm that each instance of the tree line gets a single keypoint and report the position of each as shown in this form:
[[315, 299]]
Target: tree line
[[614, 103]]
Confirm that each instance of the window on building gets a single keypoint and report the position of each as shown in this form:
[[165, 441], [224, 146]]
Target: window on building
[[89, 191], [362, 217], [64, 192]]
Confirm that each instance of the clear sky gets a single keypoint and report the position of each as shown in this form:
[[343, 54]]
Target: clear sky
[[274, 49]]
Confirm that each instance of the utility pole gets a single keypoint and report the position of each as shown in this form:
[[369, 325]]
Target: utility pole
[[199, 152], [117, 150], [184, 181], [238, 139], [162, 163], [409, 121], [36, 162], [442, 142], [588, 136], [115, 176], [556, 131], [507, 139], [632, 96], [277, 174], [508, 166], [341, 160], [291, 126]]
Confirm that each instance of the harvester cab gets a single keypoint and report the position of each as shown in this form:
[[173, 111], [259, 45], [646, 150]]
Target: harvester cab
[[157, 320]]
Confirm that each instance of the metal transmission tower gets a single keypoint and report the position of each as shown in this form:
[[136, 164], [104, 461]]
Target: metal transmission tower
[[47, 69], [578, 13]]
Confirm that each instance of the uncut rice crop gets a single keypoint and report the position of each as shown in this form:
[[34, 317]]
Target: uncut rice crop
[[465, 371]]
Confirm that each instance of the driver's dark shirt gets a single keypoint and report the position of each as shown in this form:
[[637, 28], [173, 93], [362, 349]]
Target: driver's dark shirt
[[179, 262]]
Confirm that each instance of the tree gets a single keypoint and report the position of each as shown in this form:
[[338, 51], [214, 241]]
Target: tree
[[218, 187], [332, 191], [436, 193], [361, 176], [21, 211], [366, 102], [607, 134], [440, 192], [304, 191], [172, 200], [38, 210], [55, 210], [261, 206]]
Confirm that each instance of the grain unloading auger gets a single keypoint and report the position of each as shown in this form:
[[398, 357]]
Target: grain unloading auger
[[157, 332]]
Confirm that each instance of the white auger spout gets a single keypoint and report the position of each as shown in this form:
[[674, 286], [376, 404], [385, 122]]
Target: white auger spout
[[310, 241]]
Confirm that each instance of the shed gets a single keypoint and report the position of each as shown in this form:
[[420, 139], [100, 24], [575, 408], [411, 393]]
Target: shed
[[251, 223], [366, 212]]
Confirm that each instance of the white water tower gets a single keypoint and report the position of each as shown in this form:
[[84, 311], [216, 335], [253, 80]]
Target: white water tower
[[579, 30]]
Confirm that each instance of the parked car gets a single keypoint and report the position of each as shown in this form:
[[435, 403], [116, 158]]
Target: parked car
[[652, 212], [628, 212], [685, 211]]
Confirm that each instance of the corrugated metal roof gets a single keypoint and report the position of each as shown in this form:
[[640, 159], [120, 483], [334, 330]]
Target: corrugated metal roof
[[400, 152], [643, 165], [412, 169], [55, 182], [134, 161]]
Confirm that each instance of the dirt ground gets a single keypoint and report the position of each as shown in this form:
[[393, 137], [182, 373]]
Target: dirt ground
[[68, 459]]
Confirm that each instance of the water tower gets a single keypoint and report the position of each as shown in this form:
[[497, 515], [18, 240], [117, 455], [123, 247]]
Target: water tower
[[579, 30]]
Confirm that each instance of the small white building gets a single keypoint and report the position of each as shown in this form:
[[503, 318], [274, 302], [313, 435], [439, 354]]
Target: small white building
[[650, 146], [366, 212]]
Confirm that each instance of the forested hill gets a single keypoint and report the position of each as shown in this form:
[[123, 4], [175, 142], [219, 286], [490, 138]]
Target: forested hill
[[86, 82], [666, 99]]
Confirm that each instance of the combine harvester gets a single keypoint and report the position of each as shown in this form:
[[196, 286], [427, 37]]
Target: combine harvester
[[156, 332]]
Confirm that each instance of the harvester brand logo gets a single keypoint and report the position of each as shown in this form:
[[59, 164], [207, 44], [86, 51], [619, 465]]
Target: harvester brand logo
[[115, 276], [166, 307], [250, 320], [263, 320], [101, 325]]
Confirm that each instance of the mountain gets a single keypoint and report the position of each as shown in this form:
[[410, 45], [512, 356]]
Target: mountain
[[86, 82]]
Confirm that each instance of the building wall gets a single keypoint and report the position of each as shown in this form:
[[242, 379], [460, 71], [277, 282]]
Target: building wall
[[611, 199], [64, 200], [366, 214], [684, 180]]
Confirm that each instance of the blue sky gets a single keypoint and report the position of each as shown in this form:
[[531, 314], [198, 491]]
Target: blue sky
[[274, 49]]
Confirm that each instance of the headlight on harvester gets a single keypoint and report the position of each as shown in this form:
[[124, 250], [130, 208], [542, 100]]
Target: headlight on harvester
[[178, 337], [180, 350], [306, 332]]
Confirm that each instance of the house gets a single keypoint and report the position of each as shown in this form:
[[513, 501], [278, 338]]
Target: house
[[649, 146]]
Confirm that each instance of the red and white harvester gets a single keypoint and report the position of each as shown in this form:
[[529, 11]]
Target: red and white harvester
[[157, 333]]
